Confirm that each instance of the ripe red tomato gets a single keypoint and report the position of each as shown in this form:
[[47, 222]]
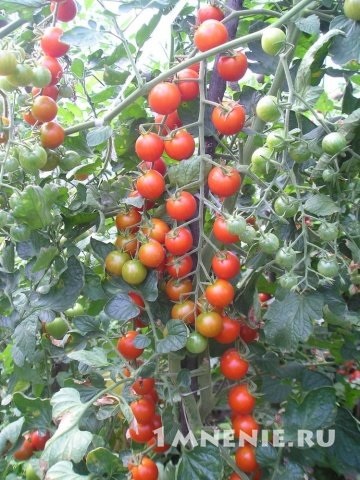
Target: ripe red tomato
[[29, 118], [146, 470], [264, 297], [52, 135], [67, 10], [38, 439], [178, 241], [195, 67], [159, 165], [248, 334], [230, 330], [209, 12], [240, 400], [51, 91], [51, 44], [245, 424], [127, 242], [143, 410], [222, 233], [44, 109], [24, 452], [228, 118], [142, 386], [151, 185], [181, 206], [180, 146], [185, 311], [245, 459], [157, 229], [128, 219], [220, 293], [178, 289], [151, 254], [178, 267], [169, 122], [232, 67], [210, 34], [126, 347], [164, 98], [153, 443], [141, 432], [54, 66], [187, 82], [137, 299], [225, 265], [232, 365], [209, 324], [149, 146]]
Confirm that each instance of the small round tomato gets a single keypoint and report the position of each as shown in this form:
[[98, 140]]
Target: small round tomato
[[128, 219], [149, 147], [44, 109], [328, 267], [264, 297], [245, 459], [133, 272], [159, 165], [328, 231], [209, 324], [299, 152], [178, 289], [168, 122], [143, 410], [142, 386], [185, 311], [51, 44], [67, 10], [180, 145], [137, 299], [38, 439], [224, 181], [209, 12], [240, 399], [248, 334], [181, 206], [286, 206], [151, 185], [196, 343], [267, 109], [210, 34], [232, 67], [232, 365], [157, 229], [164, 98], [151, 254], [352, 9], [127, 242], [51, 91], [146, 470], [220, 293], [52, 135], [24, 452], [228, 118], [225, 265], [244, 424], [276, 140], [126, 347], [230, 330], [32, 160], [57, 328], [178, 267], [141, 432], [153, 443], [178, 241], [333, 143], [273, 40], [29, 118], [54, 66], [21, 77], [187, 82], [269, 243], [260, 161], [41, 77], [114, 262], [8, 62], [285, 257], [222, 232]]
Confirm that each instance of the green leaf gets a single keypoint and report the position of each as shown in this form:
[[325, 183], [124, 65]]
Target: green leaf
[[26, 6], [149, 288], [86, 324], [8, 257], [98, 135], [144, 33], [290, 320], [44, 258], [68, 442], [321, 205], [121, 308], [78, 68], [64, 471], [37, 411], [290, 470], [346, 48], [10, 433], [176, 338], [95, 358], [266, 455], [82, 37], [25, 340], [142, 341], [186, 172], [104, 463], [32, 207], [201, 463], [310, 24], [316, 411]]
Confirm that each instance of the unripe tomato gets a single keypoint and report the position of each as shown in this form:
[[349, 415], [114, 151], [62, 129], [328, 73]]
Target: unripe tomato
[[51, 44], [21, 77], [333, 143], [210, 34], [196, 343], [69, 160], [299, 152], [115, 261], [328, 267], [185, 311], [267, 109], [57, 328], [285, 257], [8, 62], [269, 243], [164, 98], [30, 473], [41, 77], [275, 140], [44, 109], [328, 231], [126, 347], [228, 118], [273, 40], [133, 272], [232, 365], [75, 310], [209, 324], [286, 206], [32, 160], [260, 161], [352, 9], [232, 67], [288, 281], [52, 135], [178, 289], [149, 147], [127, 242]]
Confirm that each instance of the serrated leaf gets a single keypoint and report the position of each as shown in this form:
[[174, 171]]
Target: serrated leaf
[[64, 471], [310, 24], [10, 433], [103, 462], [32, 207], [82, 37], [290, 320], [201, 463], [98, 135], [346, 48], [186, 172], [121, 308], [44, 258], [321, 205], [37, 411], [176, 338], [95, 358], [101, 249], [86, 324], [25, 340]]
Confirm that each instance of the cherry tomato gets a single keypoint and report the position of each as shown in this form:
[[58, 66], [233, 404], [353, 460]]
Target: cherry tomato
[[273, 40], [146, 470], [153, 443], [328, 267], [245, 424], [210, 34], [128, 219], [230, 330], [352, 9], [67, 10], [137, 299], [228, 118], [149, 146], [57, 328], [248, 334], [333, 143], [232, 67], [142, 386], [52, 135], [54, 66], [141, 432], [51, 91], [220, 293], [164, 98], [29, 118], [178, 289], [157, 229], [187, 82], [181, 206], [209, 324], [127, 242], [151, 185], [133, 272], [169, 122], [264, 297], [24, 452], [115, 261], [178, 267], [8, 62], [44, 109], [328, 231], [151, 254], [126, 347], [222, 233], [38, 439], [267, 109], [269, 243], [21, 77], [185, 311], [51, 44], [159, 165], [232, 365], [240, 400], [209, 12], [286, 206], [143, 410], [225, 265], [41, 77], [180, 146], [178, 241], [224, 181], [245, 459], [196, 343]]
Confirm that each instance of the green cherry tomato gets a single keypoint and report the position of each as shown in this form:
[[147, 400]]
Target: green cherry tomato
[[5, 218], [133, 272], [260, 161], [249, 235], [70, 160], [6, 85], [328, 267], [288, 281], [273, 40], [267, 109], [75, 310], [269, 243], [52, 161], [299, 152], [286, 206], [8, 62], [333, 143], [57, 328], [352, 9], [275, 140], [328, 232], [11, 164], [285, 257], [329, 175], [41, 77], [236, 224], [196, 343], [32, 159], [22, 76]]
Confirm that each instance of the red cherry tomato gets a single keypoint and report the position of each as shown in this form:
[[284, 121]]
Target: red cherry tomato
[[44, 109], [225, 265], [141, 432], [220, 293], [248, 334], [230, 330], [210, 34], [164, 98], [128, 220], [178, 241], [232, 365], [126, 347], [240, 400], [143, 410], [156, 230], [185, 311], [151, 185], [224, 181], [178, 267], [228, 118], [222, 233], [67, 10], [245, 459], [149, 147], [187, 82], [51, 91], [142, 386], [244, 424], [38, 439], [209, 324], [180, 146], [209, 12], [232, 67], [54, 66], [181, 206], [51, 44], [159, 165], [146, 470], [178, 289], [151, 254], [169, 122], [52, 135]]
